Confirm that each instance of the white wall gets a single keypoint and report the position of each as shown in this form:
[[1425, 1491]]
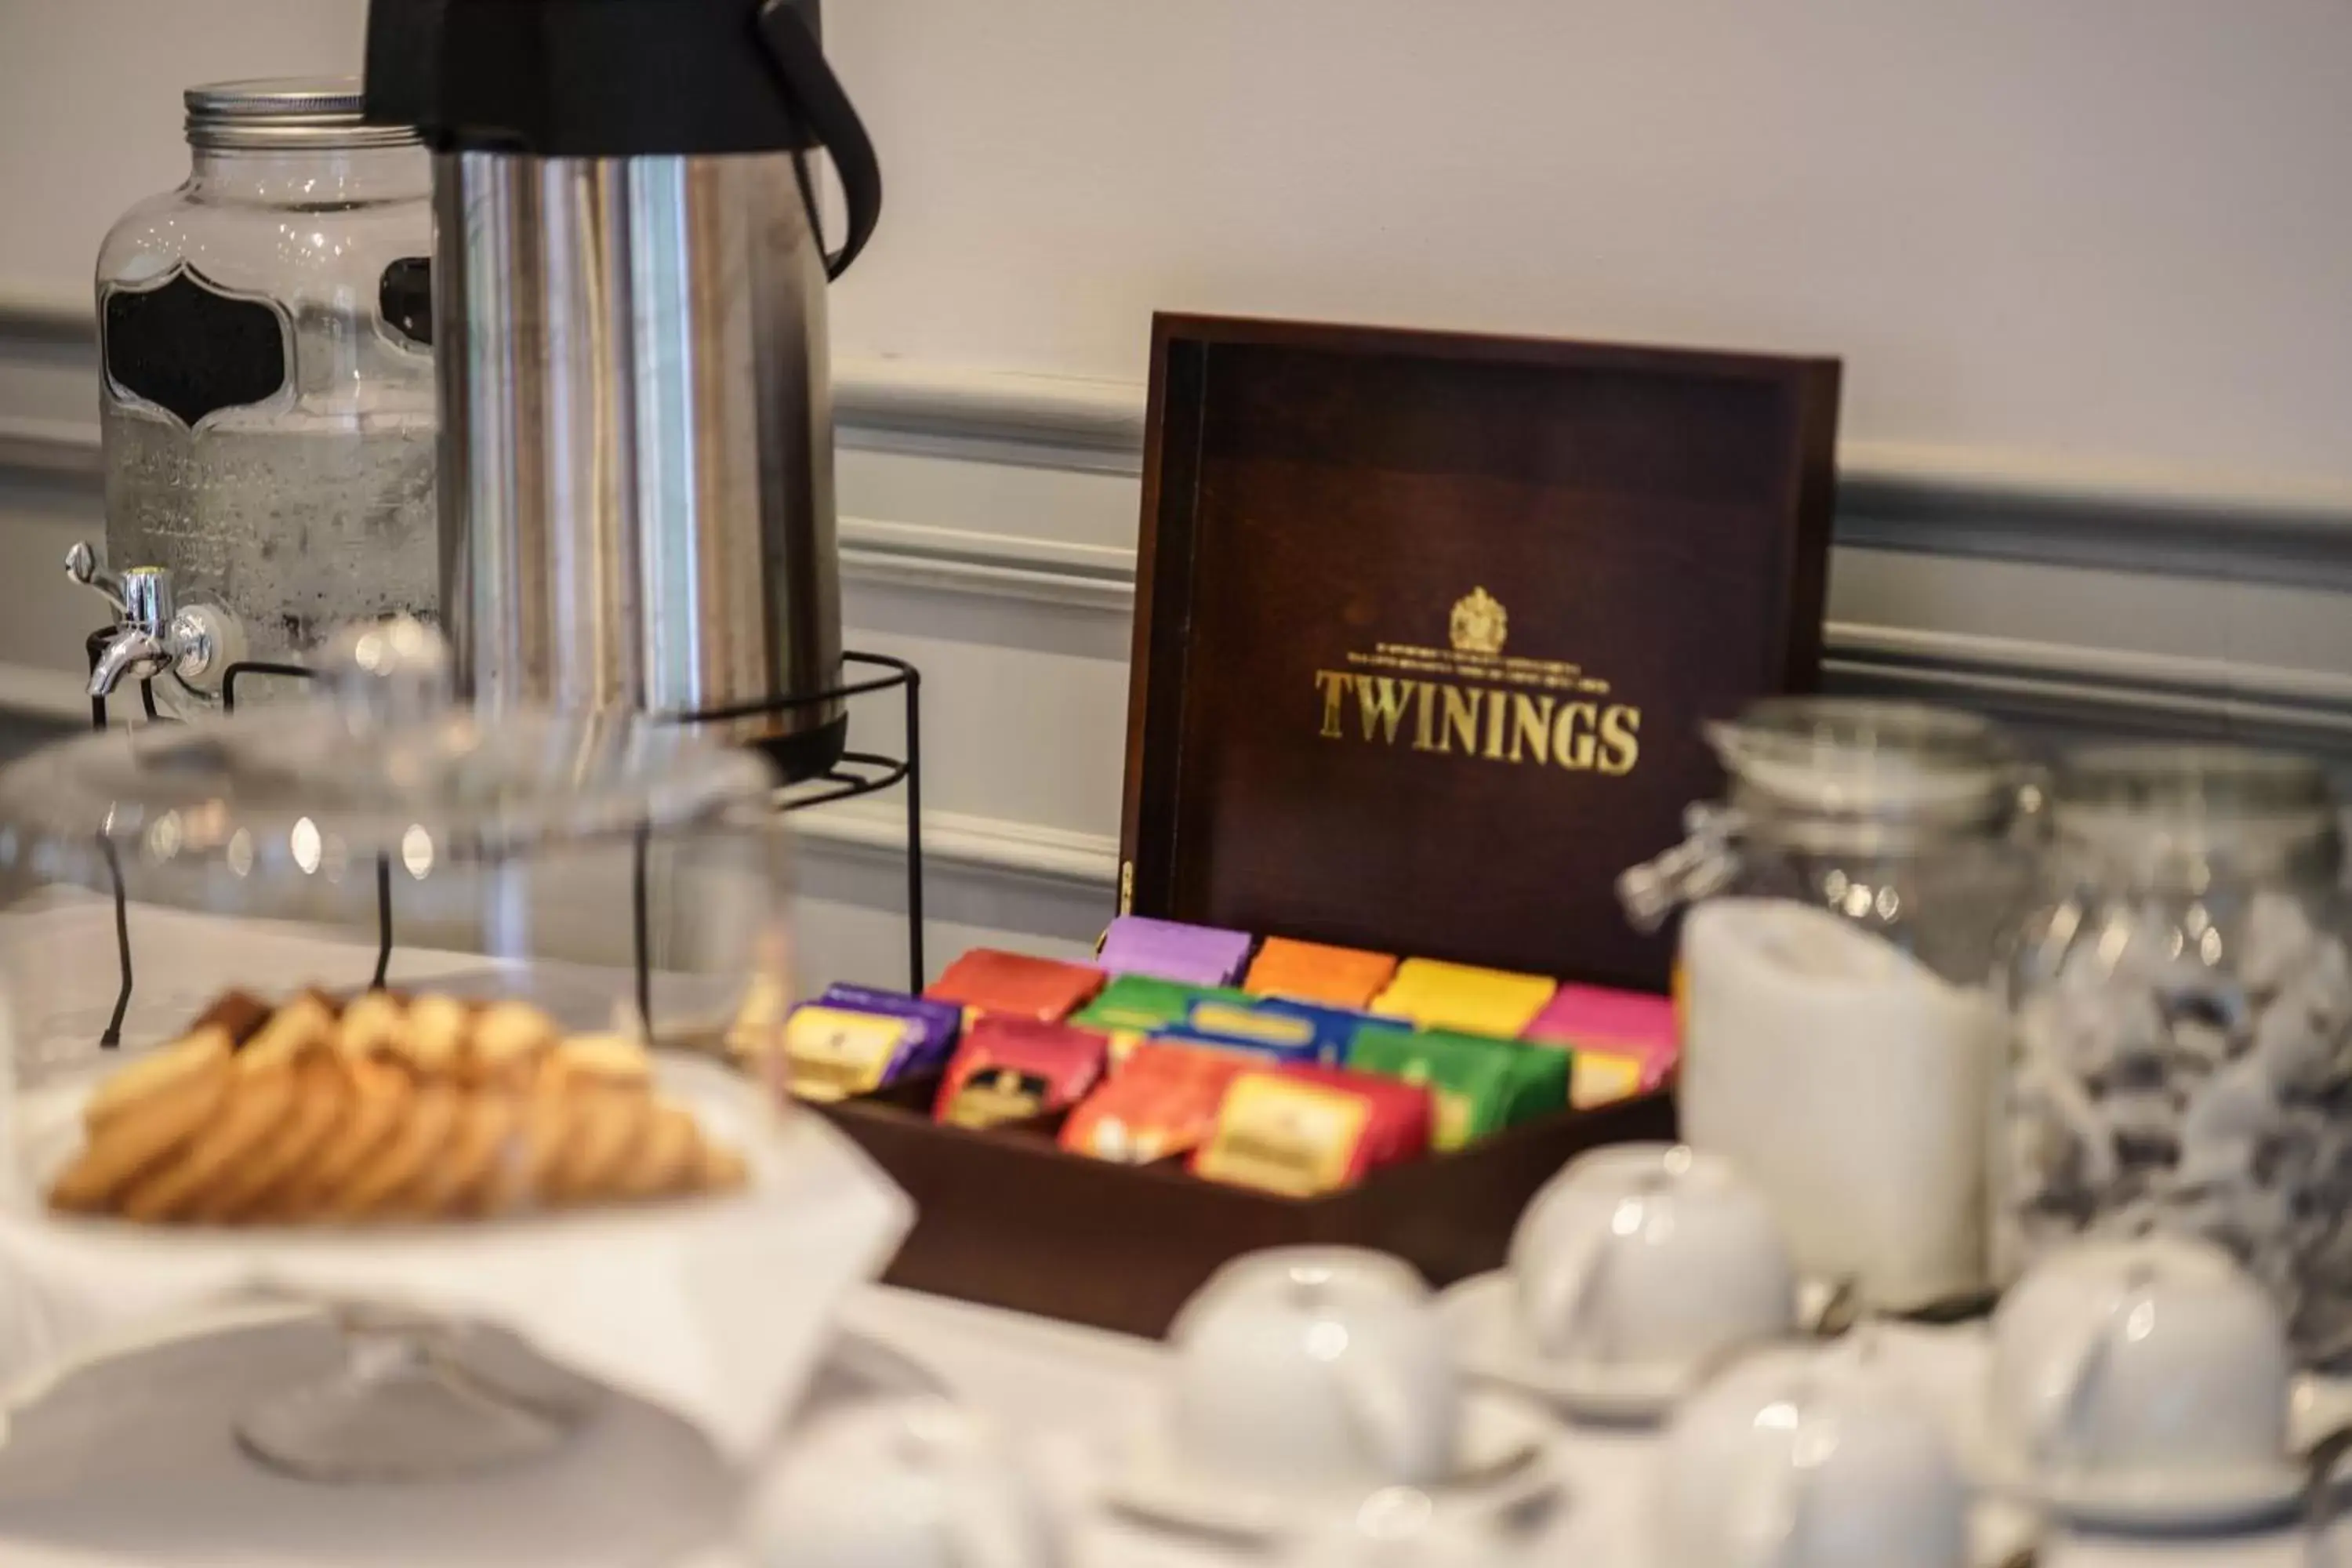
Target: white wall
[[89, 106], [2096, 231], [2112, 234], [2089, 264]]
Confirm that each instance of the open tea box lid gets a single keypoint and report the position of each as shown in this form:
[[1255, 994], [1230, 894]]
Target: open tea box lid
[[1427, 624]]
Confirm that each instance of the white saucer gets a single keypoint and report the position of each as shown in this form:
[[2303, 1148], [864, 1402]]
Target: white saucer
[[1509, 1468], [1491, 1346], [2199, 1500], [2199, 1503]]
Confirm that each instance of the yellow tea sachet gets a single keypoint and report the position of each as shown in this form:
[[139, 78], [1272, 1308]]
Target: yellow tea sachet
[[1434, 995]]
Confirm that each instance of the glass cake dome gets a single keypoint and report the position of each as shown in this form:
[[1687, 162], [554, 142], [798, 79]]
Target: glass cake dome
[[616, 875]]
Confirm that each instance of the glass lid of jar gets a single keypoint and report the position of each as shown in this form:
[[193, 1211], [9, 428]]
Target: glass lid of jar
[[2180, 809], [2166, 780], [381, 764], [1854, 757]]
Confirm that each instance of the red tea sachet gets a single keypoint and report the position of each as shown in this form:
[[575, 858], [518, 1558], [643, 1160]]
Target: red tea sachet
[[1017, 985], [1163, 1100], [1009, 1069], [1404, 1116]]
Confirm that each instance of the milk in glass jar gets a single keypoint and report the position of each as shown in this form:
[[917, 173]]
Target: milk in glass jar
[[1842, 1031], [267, 403]]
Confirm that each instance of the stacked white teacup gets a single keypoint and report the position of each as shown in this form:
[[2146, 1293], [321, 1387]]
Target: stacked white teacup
[[1314, 1395], [1634, 1273], [2142, 1385]]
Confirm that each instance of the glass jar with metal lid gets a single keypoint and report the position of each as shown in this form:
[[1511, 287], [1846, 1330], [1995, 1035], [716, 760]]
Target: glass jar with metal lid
[[268, 401], [2181, 1057], [1842, 1031]]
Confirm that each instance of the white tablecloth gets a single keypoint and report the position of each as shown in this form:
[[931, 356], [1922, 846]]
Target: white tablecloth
[[1074, 1393]]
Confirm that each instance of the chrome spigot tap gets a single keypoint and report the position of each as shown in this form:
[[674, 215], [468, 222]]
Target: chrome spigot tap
[[153, 637]]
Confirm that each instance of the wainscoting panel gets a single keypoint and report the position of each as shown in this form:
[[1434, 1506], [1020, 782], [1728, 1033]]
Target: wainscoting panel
[[989, 536]]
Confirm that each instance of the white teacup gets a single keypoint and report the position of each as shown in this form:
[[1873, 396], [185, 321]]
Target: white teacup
[[901, 1483], [1808, 1456], [1312, 1370], [1650, 1258], [2121, 1364]]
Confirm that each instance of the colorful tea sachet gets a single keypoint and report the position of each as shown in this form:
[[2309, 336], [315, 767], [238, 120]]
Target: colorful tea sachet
[[1434, 995], [1326, 976], [1163, 1101], [1626, 1042], [1142, 1004], [1011, 1070], [1285, 1030], [837, 1053], [1301, 1132], [1132, 1007], [1478, 1086], [1016, 985], [1171, 950], [938, 1022]]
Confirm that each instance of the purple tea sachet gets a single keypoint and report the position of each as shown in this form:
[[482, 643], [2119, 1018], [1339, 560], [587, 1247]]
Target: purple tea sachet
[[940, 1022], [1171, 950]]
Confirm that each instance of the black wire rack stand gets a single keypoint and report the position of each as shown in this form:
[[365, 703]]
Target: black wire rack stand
[[856, 774]]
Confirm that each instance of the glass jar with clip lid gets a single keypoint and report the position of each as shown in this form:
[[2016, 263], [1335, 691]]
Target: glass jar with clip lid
[[2181, 1062], [1848, 907]]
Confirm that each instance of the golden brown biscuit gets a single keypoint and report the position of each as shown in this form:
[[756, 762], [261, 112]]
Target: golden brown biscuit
[[427, 1108], [607, 1062], [667, 1157], [253, 1107], [528, 1177], [485, 1135], [606, 1125], [323, 1097], [240, 1012], [202, 1054], [372, 1025], [136, 1137], [380, 1095], [509, 1042], [434, 1043], [420, 1136], [300, 1026]]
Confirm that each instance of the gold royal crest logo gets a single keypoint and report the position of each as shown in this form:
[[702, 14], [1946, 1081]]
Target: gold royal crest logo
[[1480, 624]]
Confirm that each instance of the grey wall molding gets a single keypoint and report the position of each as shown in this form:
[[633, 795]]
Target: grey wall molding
[[1889, 500], [55, 315], [48, 449], [1890, 497], [2248, 535], [2040, 684]]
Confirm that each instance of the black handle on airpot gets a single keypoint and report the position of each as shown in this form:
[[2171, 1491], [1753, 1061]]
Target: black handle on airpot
[[619, 79]]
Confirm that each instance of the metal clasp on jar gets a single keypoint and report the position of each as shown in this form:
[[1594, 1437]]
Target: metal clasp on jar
[[1700, 867]]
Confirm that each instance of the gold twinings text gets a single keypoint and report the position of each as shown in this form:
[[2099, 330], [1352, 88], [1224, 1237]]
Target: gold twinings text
[[1512, 727]]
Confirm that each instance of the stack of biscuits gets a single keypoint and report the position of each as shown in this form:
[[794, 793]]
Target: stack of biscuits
[[384, 1110]]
